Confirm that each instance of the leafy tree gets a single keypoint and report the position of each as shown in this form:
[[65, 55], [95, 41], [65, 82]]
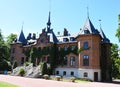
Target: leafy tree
[[10, 39], [4, 54], [115, 61], [118, 30]]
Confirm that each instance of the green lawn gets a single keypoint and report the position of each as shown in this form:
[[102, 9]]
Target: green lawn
[[5, 84]]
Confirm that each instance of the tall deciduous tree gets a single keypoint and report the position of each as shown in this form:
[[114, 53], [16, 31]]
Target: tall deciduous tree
[[115, 61], [118, 30], [10, 39], [4, 65]]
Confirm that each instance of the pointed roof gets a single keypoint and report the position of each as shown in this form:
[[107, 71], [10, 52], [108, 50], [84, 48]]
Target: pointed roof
[[88, 28], [22, 38], [104, 38], [48, 23], [52, 37]]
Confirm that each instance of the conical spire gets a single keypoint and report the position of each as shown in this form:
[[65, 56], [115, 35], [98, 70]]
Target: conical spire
[[105, 39], [88, 28], [48, 23], [22, 37]]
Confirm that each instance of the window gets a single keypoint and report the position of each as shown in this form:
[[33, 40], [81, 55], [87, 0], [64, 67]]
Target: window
[[65, 39], [85, 74], [72, 38], [86, 31], [12, 59], [72, 73], [22, 60], [65, 48], [27, 59], [59, 48], [65, 60], [72, 61], [73, 47], [64, 73], [48, 59], [85, 60], [85, 45], [57, 72]]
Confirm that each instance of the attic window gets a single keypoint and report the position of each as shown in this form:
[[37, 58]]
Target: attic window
[[65, 39], [72, 38], [86, 32]]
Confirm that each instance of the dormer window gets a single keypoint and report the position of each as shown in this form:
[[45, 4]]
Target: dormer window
[[86, 31], [72, 38], [65, 39]]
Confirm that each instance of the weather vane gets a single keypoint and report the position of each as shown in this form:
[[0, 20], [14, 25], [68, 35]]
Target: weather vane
[[87, 11]]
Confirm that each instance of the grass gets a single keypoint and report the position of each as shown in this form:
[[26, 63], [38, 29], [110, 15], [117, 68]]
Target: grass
[[5, 84]]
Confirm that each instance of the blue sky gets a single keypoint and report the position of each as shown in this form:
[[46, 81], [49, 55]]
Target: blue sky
[[70, 14]]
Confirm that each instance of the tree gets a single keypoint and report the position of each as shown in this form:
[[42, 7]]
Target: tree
[[118, 30], [2, 47], [4, 64], [10, 39], [115, 61]]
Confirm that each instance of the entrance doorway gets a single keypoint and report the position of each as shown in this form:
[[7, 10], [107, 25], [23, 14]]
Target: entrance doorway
[[95, 76]]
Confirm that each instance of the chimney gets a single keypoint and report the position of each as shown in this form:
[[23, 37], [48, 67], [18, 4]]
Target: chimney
[[65, 33]]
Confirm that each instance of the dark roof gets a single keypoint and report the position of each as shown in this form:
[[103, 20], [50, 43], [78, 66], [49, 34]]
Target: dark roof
[[88, 28], [52, 36], [104, 38], [22, 38]]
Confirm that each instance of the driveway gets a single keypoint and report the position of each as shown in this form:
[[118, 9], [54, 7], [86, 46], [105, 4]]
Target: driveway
[[31, 82]]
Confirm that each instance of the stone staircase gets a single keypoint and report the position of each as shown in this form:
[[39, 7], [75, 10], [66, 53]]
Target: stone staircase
[[30, 71]]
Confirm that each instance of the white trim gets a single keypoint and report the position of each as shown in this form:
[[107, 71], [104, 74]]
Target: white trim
[[79, 72]]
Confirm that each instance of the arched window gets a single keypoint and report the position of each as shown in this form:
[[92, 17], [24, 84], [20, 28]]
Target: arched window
[[85, 74], [85, 45], [85, 60]]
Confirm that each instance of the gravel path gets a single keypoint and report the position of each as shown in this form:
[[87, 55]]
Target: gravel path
[[31, 82]]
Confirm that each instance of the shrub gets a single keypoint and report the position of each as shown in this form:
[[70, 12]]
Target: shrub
[[58, 78], [21, 72], [72, 79], [46, 76], [26, 63]]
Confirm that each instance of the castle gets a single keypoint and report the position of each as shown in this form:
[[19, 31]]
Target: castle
[[84, 55]]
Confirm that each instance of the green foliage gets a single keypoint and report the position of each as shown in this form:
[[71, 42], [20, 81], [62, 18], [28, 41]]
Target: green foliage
[[118, 30], [27, 52], [4, 65], [10, 39], [31, 56], [44, 68], [115, 57], [22, 72], [27, 63]]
